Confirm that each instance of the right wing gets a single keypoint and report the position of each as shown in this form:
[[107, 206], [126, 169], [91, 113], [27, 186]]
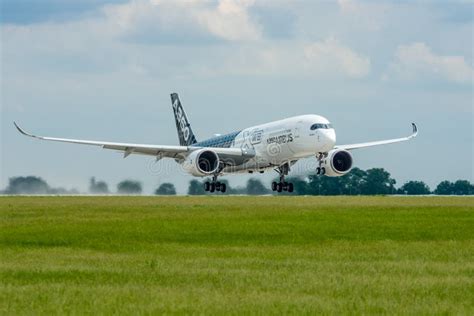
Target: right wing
[[158, 151], [380, 142]]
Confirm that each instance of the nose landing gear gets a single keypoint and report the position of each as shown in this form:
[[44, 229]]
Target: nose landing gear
[[283, 185], [320, 170]]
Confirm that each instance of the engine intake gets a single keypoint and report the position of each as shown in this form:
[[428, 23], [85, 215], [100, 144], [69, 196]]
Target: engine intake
[[337, 163], [202, 163], [207, 161]]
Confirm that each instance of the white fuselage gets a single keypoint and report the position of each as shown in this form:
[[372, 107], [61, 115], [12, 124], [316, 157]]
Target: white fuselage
[[283, 141]]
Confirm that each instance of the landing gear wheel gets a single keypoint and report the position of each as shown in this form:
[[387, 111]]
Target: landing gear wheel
[[213, 188], [323, 171], [290, 187], [279, 187], [318, 170], [274, 186], [223, 187], [207, 186], [283, 171]]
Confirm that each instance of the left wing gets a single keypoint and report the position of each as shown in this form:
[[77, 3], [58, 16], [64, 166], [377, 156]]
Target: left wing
[[158, 151], [380, 142]]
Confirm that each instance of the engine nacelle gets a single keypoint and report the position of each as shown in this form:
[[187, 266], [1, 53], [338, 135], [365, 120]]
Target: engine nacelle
[[337, 163], [201, 163]]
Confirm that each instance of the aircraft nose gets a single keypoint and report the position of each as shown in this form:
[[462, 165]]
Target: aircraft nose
[[328, 139]]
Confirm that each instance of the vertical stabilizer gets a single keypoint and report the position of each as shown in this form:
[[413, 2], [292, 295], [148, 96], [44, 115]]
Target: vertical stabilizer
[[185, 133]]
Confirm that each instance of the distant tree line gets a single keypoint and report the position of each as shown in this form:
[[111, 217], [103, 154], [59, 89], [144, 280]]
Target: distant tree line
[[33, 185], [375, 181], [126, 187], [36, 185]]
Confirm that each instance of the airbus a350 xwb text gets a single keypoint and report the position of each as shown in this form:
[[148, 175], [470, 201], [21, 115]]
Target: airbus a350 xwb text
[[277, 145]]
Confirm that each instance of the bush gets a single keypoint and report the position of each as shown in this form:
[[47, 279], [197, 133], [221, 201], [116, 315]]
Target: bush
[[414, 188], [166, 189], [129, 187], [98, 187], [27, 185]]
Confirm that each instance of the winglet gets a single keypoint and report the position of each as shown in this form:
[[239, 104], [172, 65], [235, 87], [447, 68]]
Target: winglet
[[21, 130], [415, 130], [25, 132]]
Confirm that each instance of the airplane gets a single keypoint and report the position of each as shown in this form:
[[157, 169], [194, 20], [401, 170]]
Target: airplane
[[276, 145]]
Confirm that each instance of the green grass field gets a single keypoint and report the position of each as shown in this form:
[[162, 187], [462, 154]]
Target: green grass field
[[237, 255]]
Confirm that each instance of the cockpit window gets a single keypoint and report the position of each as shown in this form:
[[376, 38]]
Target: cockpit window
[[320, 126]]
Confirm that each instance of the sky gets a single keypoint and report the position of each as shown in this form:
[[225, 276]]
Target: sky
[[104, 70]]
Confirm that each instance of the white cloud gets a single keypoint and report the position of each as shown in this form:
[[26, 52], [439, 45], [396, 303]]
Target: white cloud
[[417, 60], [330, 56], [228, 19]]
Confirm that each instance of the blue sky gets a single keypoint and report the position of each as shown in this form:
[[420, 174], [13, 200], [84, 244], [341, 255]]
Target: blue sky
[[104, 70]]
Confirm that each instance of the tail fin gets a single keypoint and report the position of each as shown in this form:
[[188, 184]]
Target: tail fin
[[185, 133]]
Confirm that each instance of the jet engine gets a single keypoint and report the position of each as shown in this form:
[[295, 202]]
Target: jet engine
[[201, 163], [337, 163]]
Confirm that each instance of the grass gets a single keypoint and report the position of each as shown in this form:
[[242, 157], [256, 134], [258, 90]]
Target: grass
[[237, 255]]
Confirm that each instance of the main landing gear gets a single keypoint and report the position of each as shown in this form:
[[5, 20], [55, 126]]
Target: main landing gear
[[283, 185], [215, 185]]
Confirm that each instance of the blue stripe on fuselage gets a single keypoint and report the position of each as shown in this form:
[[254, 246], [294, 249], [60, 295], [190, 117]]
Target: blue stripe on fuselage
[[223, 141]]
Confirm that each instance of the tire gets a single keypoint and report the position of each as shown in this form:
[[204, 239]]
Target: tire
[[323, 171], [318, 170], [274, 186], [223, 187], [213, 188], [279, 187], [218, 186], [207, 186], [290, 187]]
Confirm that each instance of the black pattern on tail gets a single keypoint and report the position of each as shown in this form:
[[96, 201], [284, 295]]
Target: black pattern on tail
[[185, 133]]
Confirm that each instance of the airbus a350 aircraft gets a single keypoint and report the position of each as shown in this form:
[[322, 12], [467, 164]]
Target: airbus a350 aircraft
[[277, 145]]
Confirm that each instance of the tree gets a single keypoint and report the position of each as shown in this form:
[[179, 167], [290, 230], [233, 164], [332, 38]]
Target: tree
[[98, 187], [256, 187], [354, 181], [196, 188], [166, 189], [129, 187], [444, 188], [414, 188], [463, 187], [378, 181], [324, 185], [27, 185], [300, 186]]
